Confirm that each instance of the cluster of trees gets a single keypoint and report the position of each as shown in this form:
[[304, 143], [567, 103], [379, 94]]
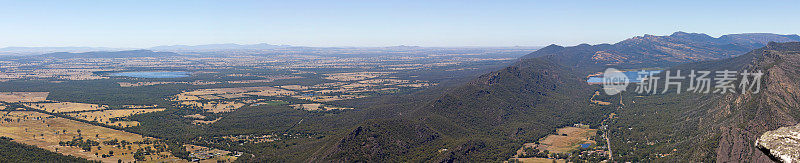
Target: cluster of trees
[[533, 152], [86, 144]]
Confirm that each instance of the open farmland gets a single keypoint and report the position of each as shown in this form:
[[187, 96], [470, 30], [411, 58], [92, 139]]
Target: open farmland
[[23, 96], [84, 140], [352, 76], [60, 107], [106, 116], [46, 131], [215, 106], [567, 139], [227, 93]]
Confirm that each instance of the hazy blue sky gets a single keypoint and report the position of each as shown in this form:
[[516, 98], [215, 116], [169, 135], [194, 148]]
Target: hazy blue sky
[[144, 23]]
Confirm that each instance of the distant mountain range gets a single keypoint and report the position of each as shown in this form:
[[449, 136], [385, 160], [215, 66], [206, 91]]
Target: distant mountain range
[[213, 47], [43, 50], [114, 54], [659, 51], [172, 48]]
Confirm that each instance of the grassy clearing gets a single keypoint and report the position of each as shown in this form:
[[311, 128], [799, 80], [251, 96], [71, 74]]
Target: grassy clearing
[[23, 96], [567, 139], [48, 132], [215, 106], [229, 93], [61, 107], [106, 116]]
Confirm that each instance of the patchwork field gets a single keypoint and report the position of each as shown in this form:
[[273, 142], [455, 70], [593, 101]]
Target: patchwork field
[[84, 140], [105, 116], [46, 131], [23, 96], [61, 107], [215, 106], [138, 84], [352, 76], [228, 93], [565, 144], [271, 103]]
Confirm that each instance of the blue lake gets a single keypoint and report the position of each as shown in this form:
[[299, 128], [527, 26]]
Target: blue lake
[[154, 74], [632, 76]]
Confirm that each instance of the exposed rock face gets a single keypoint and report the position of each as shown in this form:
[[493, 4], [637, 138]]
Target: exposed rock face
[[782, 144]]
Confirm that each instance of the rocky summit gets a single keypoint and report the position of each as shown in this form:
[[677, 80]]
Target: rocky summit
[[783, 144]]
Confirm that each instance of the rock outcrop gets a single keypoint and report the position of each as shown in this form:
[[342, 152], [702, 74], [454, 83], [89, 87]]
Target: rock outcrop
[[783, 144]]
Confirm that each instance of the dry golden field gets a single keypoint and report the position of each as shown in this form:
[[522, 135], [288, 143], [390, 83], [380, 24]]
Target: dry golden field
[[565, 144], [46, 131], [104, 116], [352, 76], [229, 93], [23, 96], [215, 106], [271, 92], [61, 107]]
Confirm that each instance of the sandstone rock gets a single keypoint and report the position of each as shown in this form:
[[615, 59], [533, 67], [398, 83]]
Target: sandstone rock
[[783, 143]]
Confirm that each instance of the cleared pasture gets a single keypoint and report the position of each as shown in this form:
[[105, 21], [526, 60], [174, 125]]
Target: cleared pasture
[[105, 116], [60, 107], [215, 106], [47, 131], [564, 144], [23, 96]]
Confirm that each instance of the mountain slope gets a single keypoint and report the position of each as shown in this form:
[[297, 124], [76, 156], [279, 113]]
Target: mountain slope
[[713, 127], [660, 51], [484, 120], [491, 116]]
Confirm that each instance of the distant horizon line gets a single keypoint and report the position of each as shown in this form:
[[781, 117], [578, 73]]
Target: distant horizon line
[[422, 46], [105, 47]]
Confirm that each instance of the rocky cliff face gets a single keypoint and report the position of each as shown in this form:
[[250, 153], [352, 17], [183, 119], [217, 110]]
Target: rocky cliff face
[[698, 127], [782, 144]]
